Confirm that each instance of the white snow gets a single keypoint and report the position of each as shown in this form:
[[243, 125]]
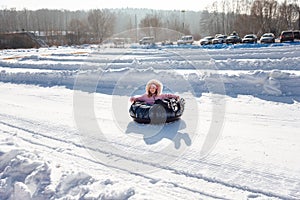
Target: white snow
[[65, 130]]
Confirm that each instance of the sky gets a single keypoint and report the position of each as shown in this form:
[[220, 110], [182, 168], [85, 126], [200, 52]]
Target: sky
[[194, 5]]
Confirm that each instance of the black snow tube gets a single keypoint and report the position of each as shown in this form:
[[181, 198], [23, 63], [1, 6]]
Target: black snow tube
[[162, 111]]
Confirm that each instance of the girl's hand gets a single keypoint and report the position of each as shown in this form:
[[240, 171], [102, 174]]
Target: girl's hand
[[132, 99]]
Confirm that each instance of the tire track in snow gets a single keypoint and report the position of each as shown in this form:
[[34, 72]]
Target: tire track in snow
[[170, 170], [151, 179]]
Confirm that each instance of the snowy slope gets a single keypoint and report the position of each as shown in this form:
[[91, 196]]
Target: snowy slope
[[66, 132]]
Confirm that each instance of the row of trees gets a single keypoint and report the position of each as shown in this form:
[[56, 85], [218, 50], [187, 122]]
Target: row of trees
[[254, 16], [94, 26], [58, 25]]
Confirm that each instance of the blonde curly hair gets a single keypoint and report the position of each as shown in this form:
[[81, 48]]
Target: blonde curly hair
[[158, 85]]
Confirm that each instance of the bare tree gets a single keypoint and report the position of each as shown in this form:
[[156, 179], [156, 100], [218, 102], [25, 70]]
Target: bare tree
[[205, 23], [77, 29], [264, 13], [150, 23], [102, 23], [173, 22], [10, 21]]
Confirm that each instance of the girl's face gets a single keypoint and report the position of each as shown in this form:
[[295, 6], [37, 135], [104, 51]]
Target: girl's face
[[152, 89]]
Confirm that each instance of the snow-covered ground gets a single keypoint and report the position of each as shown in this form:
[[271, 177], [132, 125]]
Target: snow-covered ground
[[65, 130]]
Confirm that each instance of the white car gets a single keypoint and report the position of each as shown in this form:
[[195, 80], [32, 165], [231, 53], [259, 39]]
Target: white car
[[219, 39], [187, 39], [146, 40], [267, 38], [206, 40]]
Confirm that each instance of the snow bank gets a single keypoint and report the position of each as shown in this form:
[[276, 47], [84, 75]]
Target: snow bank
[[215, 46], [37, 65], [258, 83], [270, 57], [24, 175], [267, 71]]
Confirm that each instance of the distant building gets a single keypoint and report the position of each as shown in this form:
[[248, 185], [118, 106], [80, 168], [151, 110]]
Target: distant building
[[20, 40]]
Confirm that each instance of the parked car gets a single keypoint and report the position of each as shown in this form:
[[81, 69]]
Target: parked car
[[219, 39], [297, 34], [286, 36], [215, 41], [233, 39], [146, 40], [249, 38], [267, 38], [206, 40], [186, 39]]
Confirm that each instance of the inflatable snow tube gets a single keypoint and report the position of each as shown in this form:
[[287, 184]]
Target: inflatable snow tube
[[162, 111]]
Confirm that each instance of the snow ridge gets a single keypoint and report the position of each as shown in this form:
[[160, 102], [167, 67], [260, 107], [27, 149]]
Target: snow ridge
[[66, 185], [270, 76], [45, 155]]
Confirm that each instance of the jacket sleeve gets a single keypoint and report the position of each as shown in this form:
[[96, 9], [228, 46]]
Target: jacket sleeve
[[139, 98], [167, 96]]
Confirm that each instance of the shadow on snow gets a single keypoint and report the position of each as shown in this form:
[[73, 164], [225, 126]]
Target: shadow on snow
[[152, 134]]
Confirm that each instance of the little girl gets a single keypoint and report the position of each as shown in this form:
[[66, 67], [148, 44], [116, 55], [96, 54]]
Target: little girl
[[153, 92]]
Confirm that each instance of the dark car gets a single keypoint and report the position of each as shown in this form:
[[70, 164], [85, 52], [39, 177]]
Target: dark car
[[297, 34], [250, 38], [287, 36], [233, 39]]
